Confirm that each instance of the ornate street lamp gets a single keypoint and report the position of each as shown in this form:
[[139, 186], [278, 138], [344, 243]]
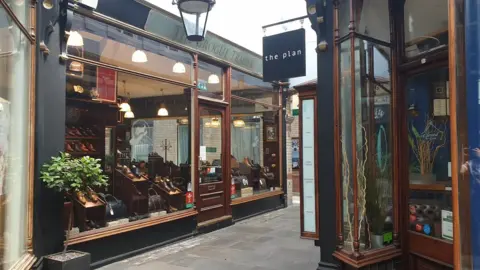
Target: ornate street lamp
[[194, 16]]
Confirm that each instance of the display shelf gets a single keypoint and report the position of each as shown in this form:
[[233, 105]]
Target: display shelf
[[431, 187], [82, 138], [84, 153], [432, 248]]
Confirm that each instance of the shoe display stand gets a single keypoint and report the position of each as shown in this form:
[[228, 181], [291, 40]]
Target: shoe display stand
[[175, 201], [90, 215], [133, 192]]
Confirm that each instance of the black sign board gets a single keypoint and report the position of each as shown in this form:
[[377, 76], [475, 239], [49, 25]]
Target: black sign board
[[284, 56]]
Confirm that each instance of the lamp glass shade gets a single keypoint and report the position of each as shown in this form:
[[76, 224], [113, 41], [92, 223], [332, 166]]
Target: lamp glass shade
[[162, 111], [213, 79], [75, 39], [238, 123], [125, 107], [75, 66], [179, 68], [139, 56], [129, 114], [194, 15], [215, 123], [208, 124]]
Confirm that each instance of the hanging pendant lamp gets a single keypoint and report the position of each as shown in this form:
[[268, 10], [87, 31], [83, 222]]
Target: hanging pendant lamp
[[238, 123], [215, 123], [162, 111], [179, 68], [75, 39], [213, 79], [124, 106], [139, 56], [129, 115]]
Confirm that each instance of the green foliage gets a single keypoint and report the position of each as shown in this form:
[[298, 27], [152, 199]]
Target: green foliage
[[67, 175]]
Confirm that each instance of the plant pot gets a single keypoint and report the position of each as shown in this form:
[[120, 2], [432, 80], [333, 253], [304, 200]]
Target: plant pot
[[377, 241], [422, 179], [71, 260]]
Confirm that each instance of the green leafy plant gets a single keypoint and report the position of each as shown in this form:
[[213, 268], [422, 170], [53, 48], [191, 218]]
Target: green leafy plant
[[68, 176]]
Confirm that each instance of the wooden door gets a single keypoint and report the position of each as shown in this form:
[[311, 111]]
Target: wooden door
[[212, 171]]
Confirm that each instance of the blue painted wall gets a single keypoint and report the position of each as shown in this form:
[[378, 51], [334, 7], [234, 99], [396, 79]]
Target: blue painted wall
[[472, 47]]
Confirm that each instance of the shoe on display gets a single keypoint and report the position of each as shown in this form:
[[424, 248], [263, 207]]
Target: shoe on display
[[92, 195], [90, 147], [83, 148], [81, 197], [68, 147]]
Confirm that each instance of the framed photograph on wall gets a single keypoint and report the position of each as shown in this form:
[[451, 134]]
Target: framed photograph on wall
[[271, 133]]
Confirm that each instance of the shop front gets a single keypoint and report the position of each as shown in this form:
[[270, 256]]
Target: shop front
[[17, 103], [405, 94], [188, 134]]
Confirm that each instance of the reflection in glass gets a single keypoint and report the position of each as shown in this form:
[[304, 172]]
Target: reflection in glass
[[21, 9], [211, 130], [117, 47], [15, 76], [255, 89], [429, 159], [425, 33], [343, 17], [345, 84], [372, 123], [210, 80], [373, 19]]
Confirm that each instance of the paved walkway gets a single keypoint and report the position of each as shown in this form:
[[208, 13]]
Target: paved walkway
[[266, 242]]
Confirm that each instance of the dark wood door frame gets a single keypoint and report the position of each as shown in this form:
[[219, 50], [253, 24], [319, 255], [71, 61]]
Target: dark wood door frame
[[202, 190]]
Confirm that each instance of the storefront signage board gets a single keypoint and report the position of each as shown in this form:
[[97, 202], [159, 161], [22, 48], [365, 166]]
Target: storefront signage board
[[308, 168], [284, 56], [171, 28]]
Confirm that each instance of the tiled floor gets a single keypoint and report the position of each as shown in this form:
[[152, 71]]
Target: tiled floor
[[266, 242]]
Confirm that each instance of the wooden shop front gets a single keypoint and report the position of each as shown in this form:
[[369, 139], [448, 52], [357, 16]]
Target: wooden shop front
[[189, 140], [402, 158]]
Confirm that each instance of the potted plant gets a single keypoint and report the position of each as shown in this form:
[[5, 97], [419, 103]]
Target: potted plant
[[425, 147], [74, 178]]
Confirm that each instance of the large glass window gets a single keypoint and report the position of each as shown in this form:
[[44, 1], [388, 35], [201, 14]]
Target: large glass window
[[246, 86], [130, 116], [428, 125], [366, 145], [118, 47], [255, 148], [425, 33], [210, 80], [15, 104]]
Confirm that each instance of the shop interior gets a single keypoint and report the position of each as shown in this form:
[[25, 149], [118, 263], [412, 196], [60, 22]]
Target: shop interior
[[129, 104]]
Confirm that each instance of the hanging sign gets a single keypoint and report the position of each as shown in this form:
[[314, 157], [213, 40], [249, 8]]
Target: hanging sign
[[284, 56]]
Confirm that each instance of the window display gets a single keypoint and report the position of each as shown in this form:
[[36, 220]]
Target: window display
[[430, 203], [15, 143], [366, 146], [254, 137], [143, 135], [210, 80]]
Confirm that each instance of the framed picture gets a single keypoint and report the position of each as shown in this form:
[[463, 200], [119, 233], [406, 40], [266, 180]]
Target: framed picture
[[271, 133]]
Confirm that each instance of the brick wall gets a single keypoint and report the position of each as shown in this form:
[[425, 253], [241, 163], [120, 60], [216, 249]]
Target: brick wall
[[165, 129]]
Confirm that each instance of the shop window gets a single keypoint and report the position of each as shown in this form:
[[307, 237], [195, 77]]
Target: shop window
[[118, 47], [210, 80], [430, 200], [343, 17], [365, 146], [15, 147], [21, 9], [425, 33], [254, 148], [372, 19], [249, 87], [140, 130]]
